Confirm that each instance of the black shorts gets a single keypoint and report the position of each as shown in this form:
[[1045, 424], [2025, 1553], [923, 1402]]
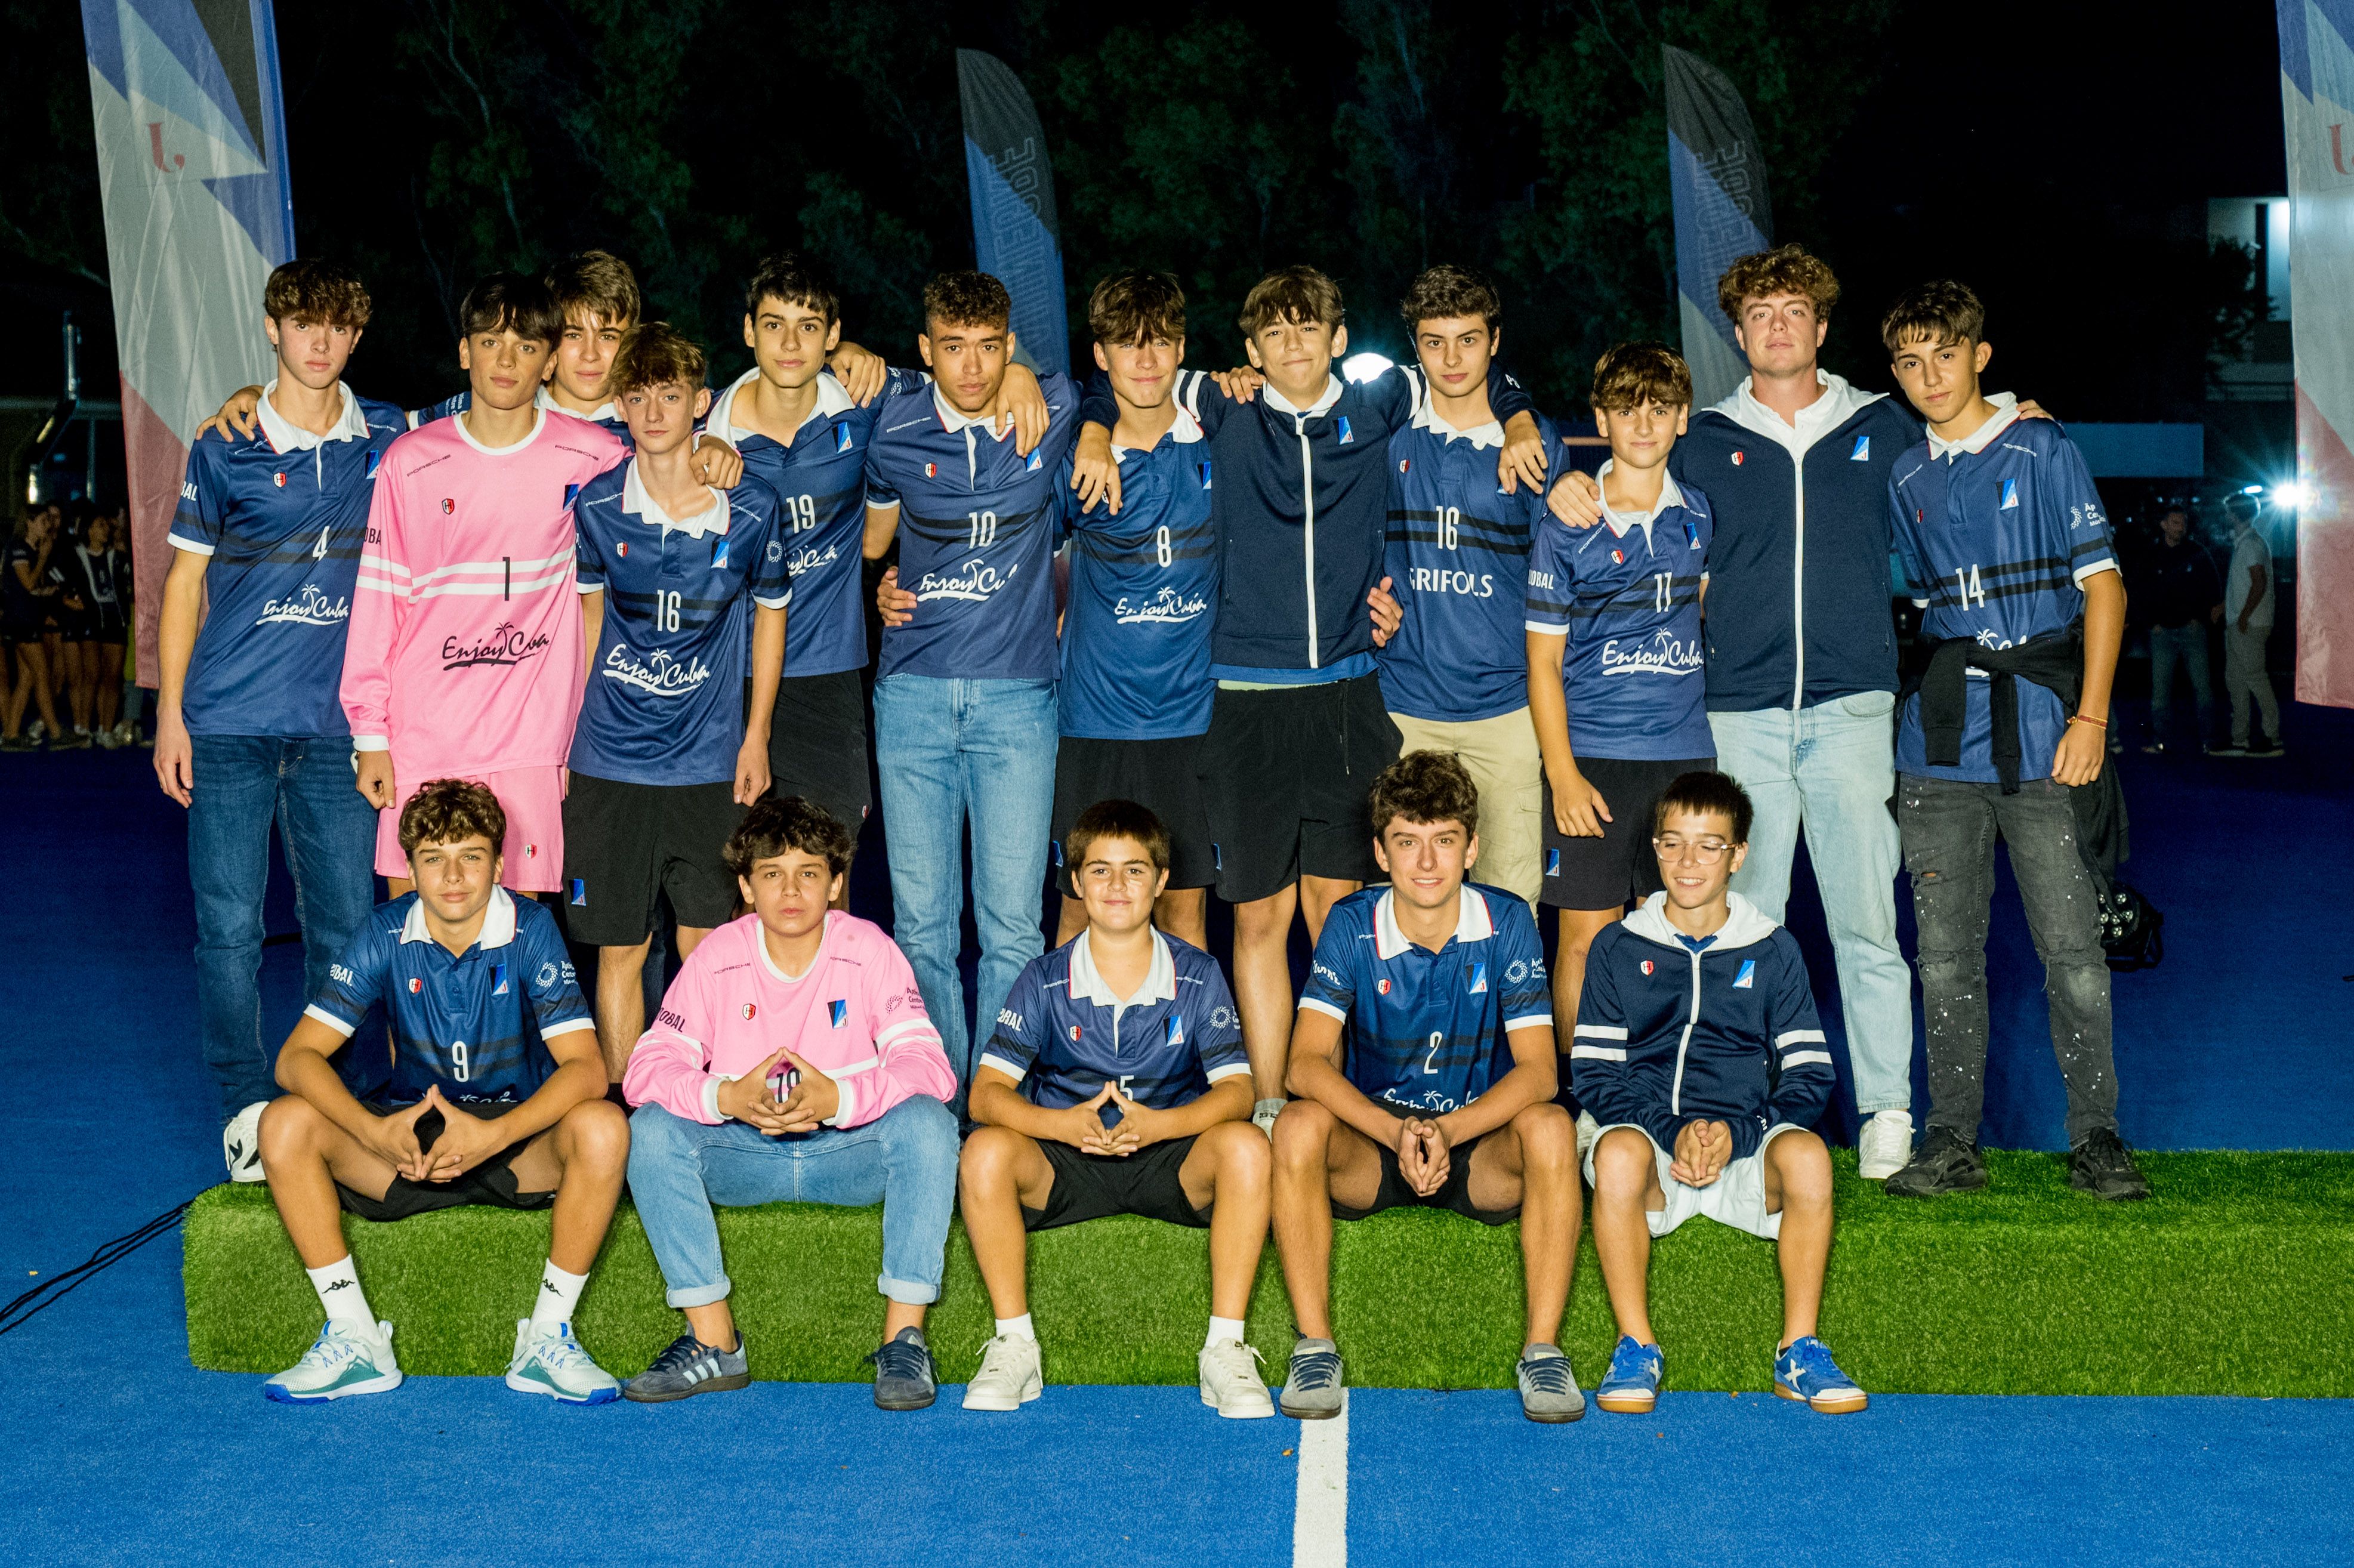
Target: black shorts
[[1454, 1195], [490, 1185], [1162, 776], [1605, 872], [1285, 774], [817, 745], [1090, 1186], [627, 844]]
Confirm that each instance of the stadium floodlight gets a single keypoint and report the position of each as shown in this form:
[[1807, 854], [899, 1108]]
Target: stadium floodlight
[[1364, 366], [2289, 494], [2251, 490]]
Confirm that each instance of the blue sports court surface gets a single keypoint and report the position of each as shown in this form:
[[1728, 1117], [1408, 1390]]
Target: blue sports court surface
[[117, 1450]]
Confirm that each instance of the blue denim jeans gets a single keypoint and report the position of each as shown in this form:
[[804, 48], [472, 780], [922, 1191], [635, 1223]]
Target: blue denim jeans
[[2186, 646], [244, 784], [904, 1160], [1830, 769], [952, 752]]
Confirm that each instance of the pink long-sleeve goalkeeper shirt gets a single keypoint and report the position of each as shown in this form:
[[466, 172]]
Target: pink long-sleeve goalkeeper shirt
[[464, 651], [856, 1016]]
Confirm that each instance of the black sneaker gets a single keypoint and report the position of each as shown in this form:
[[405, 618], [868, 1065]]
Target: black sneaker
[[2103, 1166], [1945, 1163], [904, 1378]]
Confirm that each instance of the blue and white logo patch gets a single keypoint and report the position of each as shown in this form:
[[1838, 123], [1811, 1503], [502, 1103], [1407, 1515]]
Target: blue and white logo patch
[[1479, 979], [842, 440], [2009, 496], [1037, 461], [498, 979], [841, 1010], [580, 890], [1747, 979], [1553, 862], [1176, 1030], [1863, 452], [1348, 436], [571, 494], [719, 555], [367, 469], [1206, 476]]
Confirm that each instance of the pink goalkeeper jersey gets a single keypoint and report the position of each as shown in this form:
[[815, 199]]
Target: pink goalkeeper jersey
[[464, 651], [856, 1016]]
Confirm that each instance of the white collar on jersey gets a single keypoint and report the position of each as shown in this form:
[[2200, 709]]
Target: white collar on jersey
[[498, 922], [1472, 923], [350, 426], [952, 421], [2005, 415], [545, 399], [1333, 388], [1184, 432], [1621, 521], [760, 946], [831, 403], [1481, 437], [538, 423], [1160, 981], [637, 503]]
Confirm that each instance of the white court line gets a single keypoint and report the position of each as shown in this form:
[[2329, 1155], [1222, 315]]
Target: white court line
[[1319, 1523]]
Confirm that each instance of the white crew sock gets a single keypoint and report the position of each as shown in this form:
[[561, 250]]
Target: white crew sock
[[338, 1286], [1223, 1328], [559, 1293], [1017, 1329]]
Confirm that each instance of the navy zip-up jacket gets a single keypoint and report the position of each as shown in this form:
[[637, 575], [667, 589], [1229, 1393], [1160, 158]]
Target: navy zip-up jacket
[[1301, 505], [1799, 573], [1667, 1034]]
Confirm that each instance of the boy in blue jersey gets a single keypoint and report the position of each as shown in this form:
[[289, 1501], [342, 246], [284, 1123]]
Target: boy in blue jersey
[[248, 731], [1454, 674], [496, 1096], [1116, 1083], [1423, 1064], [964, 699], [1297, 725], [1614, 658], [1698, 1049], [2009, 551], [664, 759]]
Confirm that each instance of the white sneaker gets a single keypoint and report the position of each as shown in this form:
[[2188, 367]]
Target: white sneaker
[[1231, 1383], [241, 1143], [344, 1360], [1588, 1129], [1884, 1145], [1008, 1378], [1263, 1113], [549, 1361]]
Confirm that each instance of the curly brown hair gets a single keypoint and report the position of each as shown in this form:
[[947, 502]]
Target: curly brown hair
[[653, 354], [780, 822], [446, 811], [1293, 294], [308, 289], [1633, 373], [1785, 269], [1424, 786], [598, 283], [966, 299], [1137, 306], [1938, 312], [1443, 291]]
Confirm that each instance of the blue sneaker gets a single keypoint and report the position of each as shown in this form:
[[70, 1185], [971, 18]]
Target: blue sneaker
[[1632, 1387], [1806, 1372], [904, 1378]]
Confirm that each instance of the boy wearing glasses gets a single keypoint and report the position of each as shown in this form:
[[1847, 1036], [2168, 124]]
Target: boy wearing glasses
[[1614, 669], [1698, 1050], [1117, 1084]]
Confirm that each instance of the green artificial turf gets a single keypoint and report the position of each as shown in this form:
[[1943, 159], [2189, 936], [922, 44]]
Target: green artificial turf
[[2237, 1277]]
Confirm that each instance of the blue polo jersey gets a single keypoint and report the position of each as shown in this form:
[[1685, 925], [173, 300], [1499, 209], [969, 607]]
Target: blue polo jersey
[[477, 1024], [1062, 1035], [664, 700], [978, 527], [282, 517], [1457, 557], [1997, 533], [1426, 1031], [1144, 589], [821, 479], [1626, 594]]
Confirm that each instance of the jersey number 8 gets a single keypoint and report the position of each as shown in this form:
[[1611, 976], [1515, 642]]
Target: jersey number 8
[[1161, 545]]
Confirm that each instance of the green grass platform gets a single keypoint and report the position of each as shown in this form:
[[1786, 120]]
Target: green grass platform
[[2236, 1278]]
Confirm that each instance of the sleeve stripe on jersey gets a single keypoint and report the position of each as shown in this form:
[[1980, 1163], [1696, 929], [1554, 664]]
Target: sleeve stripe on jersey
[[1800, 1058], [1597, 1052], [1794, 1037], [774, 603], [1326, 1008], [2093, 569], [588, 585], [371, 562], [992, 1059], [1546, 628], [1528, 1021], [194, 546], [1600, 1031], [566, 1026], [886, 1036], [1229, 1070], [330, 1020], [852, 1069]]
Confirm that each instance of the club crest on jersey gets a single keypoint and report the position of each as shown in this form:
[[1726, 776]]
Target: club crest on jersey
[[1037, 461], [1863, 452], [367, 465], [580, 891], [1383, 985], [1176, 1030], [719, 556], [841, 1010], [571, 494], [415, 985], [1206, 476], [498, 979], [279, 479], [622, 549], [1479, 979], [931, 470], [750, 1011], [1649, 966], [1692, 534], [448, 506], [1075, 1033], [1738, 457], [842, 440], [530, 851], [1747, 979], [1348, 436], [1553, 862], [1618, 557], [1404, 463], [2009, 496]]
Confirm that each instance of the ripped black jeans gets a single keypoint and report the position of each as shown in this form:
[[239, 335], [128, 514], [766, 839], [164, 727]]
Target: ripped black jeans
[[1948, 829]]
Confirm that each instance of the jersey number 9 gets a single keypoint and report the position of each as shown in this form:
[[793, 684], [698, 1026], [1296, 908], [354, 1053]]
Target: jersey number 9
[[457, 1069]]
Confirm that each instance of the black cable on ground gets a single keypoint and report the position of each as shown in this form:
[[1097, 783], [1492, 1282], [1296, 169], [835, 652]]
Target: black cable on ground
[[58, 1285]]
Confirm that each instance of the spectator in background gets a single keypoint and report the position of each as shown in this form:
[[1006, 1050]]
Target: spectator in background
[[26, 582], [106, 569], [2249, 594], [77, 623], [2182, 596]]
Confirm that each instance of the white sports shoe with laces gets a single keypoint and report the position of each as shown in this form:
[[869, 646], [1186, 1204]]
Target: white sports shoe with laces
[[549, 1361], [348, 1357], [241, 1143], [1231, 1383], [1884, 1145], [1009, 1377]]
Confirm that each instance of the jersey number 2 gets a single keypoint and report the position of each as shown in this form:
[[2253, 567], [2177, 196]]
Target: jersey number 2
[[1429, 1060]]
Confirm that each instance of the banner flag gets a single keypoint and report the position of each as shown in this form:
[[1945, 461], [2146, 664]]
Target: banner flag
[[2316, 42], [1014, 235], [192, 167], [1717, 177]]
